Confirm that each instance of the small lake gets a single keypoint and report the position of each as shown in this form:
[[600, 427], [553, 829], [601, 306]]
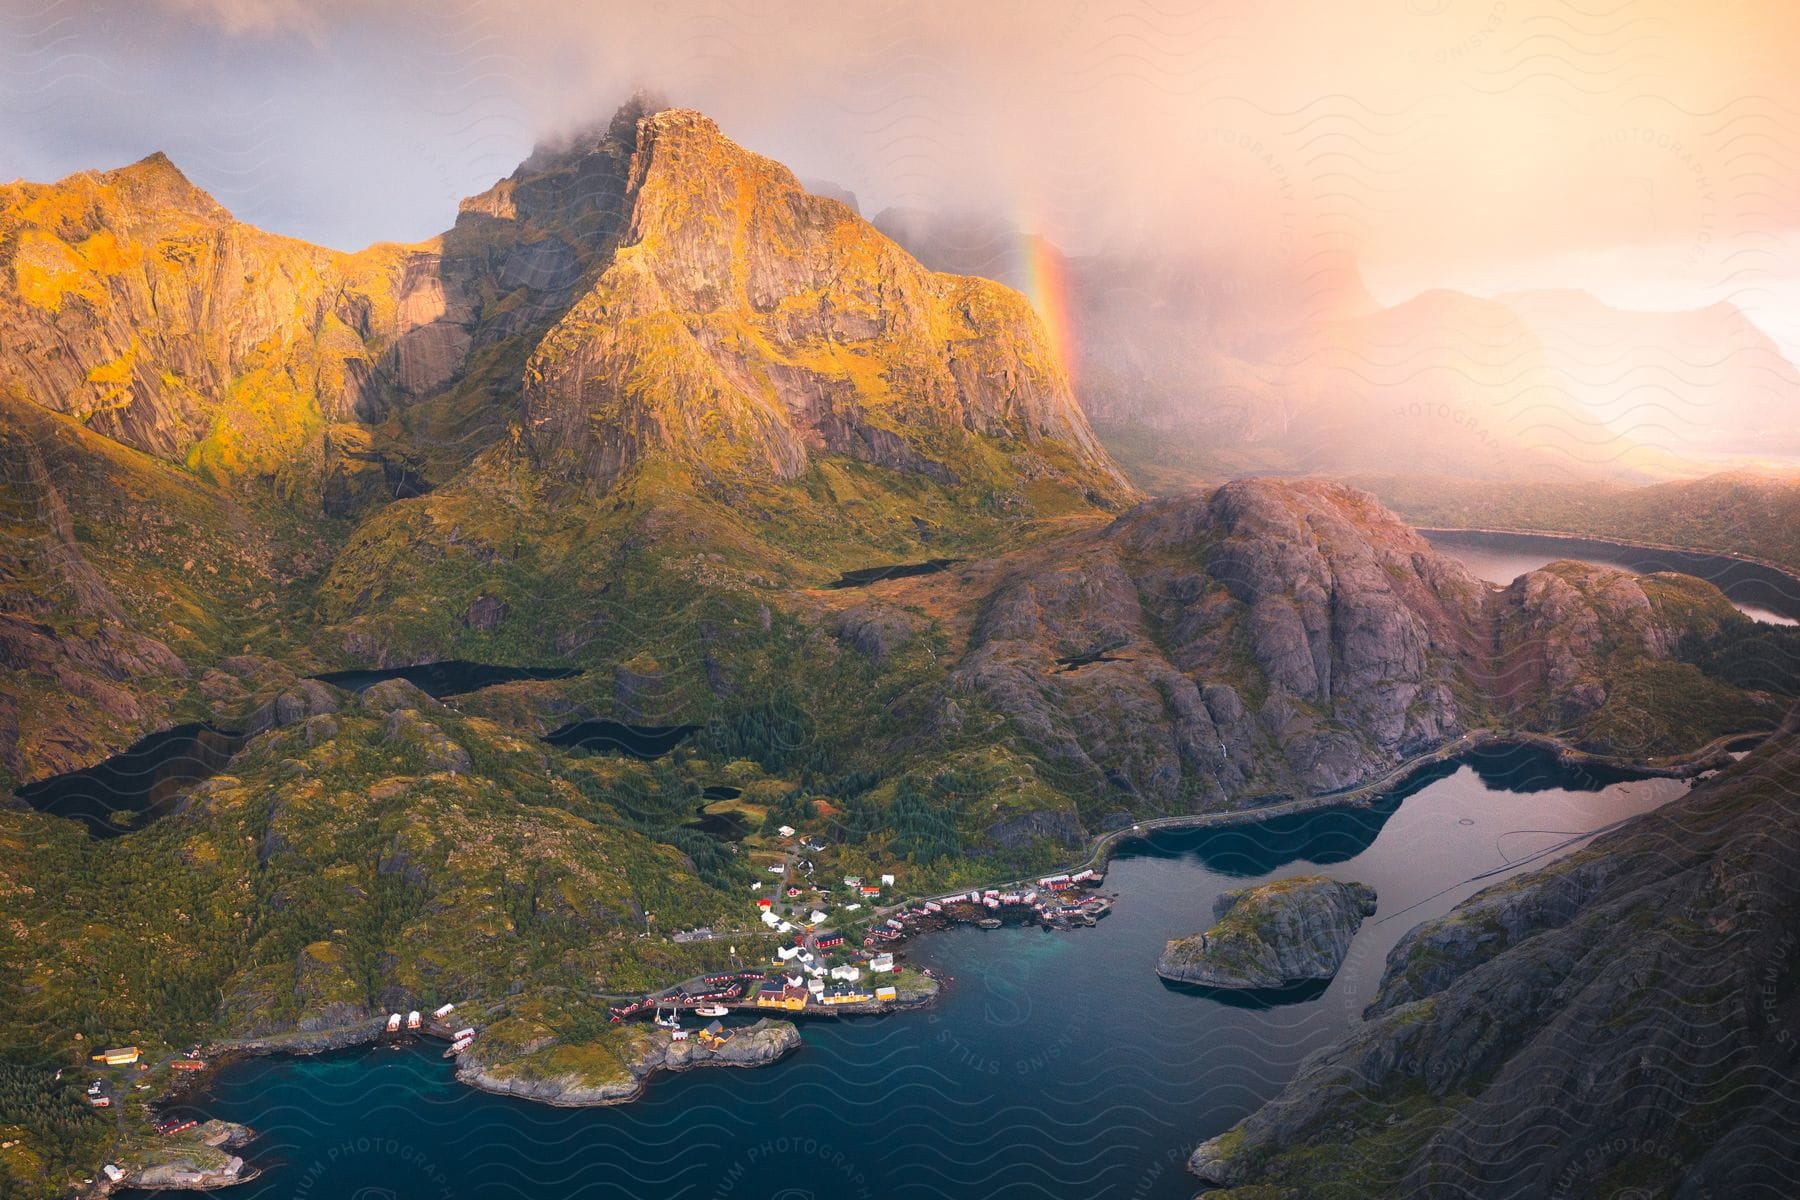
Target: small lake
[[1759, 592], [138, 785], [1055, 1064], [864, 576], [609, 737], [452, 677]]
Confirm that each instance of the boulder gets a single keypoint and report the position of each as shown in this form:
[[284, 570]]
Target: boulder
[[873, 630], [307, 698], [394, 695]]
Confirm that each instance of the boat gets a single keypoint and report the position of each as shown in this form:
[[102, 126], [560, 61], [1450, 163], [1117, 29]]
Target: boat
[[989, 923], [711, 1010]]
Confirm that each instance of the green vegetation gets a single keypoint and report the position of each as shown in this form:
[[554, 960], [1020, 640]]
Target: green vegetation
[[1733, 513], [1748, 655], [48, 1132]]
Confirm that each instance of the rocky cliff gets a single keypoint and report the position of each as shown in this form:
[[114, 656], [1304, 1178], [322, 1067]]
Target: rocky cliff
[[133, 302], [743, 325], [1270, 936], [1620, 1023], [1295, 637]]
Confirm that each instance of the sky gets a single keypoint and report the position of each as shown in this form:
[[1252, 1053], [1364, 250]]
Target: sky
[[1643, 149]]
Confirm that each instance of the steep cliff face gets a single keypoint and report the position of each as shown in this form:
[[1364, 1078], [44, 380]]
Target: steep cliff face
[[1288, 638], [133, 302], [1275, 637], [744, 327], [1619, 1024]]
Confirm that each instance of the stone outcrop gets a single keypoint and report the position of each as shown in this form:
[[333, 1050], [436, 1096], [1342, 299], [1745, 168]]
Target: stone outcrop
[[1281, 933], [1282, 638], [306, 698], [750, 1046], [1275, 638], [1625, 1014]]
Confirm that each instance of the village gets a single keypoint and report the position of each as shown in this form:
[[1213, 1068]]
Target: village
[[818, 969], [815, 956]]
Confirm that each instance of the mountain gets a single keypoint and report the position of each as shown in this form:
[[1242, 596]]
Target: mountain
[[1619, 1023], [744, 325], [138, 306], [735, 466], [1196, 368], [643, 313], [1705, 383], [1294, 638]]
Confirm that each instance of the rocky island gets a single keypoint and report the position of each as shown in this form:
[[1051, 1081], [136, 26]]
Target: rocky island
[[1625, 1014], [614, 1073], [1280, 933]]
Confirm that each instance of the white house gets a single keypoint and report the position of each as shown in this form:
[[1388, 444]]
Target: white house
[[882, 963], [887, 881], [785, 831]]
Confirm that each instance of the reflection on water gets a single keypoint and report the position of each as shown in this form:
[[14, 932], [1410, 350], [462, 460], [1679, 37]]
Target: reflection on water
[[1055, 1064], [452, 677], [637, 741], [135, 787]]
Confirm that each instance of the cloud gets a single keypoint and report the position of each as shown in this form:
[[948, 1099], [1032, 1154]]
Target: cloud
[[263, 17], [1425, 139]]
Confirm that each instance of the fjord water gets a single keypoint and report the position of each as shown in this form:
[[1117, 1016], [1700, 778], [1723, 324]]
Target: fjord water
[[1759, 592], [1055, 1064]]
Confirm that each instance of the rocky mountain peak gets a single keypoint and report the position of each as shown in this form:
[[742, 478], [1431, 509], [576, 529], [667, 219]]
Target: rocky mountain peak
[[743, 326]]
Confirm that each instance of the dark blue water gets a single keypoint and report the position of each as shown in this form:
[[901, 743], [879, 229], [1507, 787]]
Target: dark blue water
[[452, 677], [1055, 1064], [610, 737], [138, 785]]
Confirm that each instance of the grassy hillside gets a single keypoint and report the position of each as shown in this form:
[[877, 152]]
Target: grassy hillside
[[1736, 513]]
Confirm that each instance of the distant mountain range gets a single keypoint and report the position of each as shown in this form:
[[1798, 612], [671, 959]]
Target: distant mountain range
[[739, 467], [1190, 374]]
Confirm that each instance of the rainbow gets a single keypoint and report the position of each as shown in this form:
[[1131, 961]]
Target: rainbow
[[1047, 287]]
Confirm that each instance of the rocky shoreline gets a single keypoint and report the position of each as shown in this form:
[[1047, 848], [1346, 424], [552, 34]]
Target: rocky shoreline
[[1543, 1003], [1290, 931], [755, 1045], [1714, 756], [206, 1163]]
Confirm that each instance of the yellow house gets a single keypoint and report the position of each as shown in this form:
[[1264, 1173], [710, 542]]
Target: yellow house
[[118, 1058]]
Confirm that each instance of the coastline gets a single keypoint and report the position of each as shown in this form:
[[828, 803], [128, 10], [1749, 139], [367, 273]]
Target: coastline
[[1628, 543], [1711, 756], [572, 1092]]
